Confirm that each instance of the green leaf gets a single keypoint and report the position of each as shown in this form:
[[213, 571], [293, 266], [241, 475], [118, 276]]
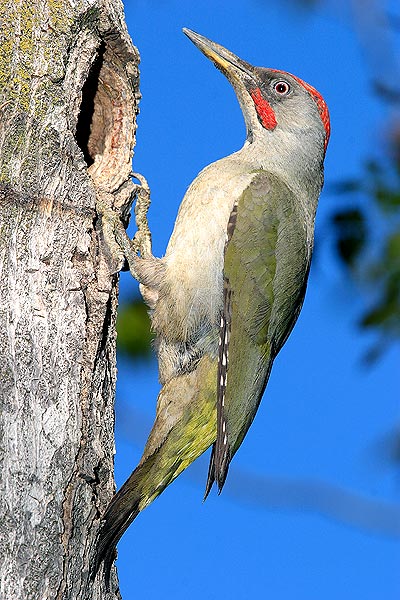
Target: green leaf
[[387, 199], [133, 330], [351, 234], [393, 249]]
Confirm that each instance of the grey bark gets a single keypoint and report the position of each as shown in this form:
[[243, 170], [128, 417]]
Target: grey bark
[[63, 65]]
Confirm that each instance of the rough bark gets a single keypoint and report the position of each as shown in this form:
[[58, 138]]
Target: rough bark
[[68, 102]]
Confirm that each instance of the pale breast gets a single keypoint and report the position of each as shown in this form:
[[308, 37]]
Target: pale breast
[[194, 256]]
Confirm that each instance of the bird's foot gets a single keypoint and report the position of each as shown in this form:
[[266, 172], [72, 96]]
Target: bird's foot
[[116, 243]]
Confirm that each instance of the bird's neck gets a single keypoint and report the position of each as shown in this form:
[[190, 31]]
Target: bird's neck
[[299, 165]]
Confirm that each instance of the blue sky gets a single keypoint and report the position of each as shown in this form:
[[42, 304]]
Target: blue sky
[[324, 415]]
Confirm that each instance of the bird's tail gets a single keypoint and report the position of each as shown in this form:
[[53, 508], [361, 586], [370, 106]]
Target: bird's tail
[[184, 428]]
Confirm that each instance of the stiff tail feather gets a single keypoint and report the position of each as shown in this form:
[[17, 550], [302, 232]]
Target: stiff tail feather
[[120, 513], [184, 428]]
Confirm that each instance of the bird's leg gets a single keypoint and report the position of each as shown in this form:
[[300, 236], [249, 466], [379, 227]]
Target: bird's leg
[[116, 240], [142, 238]]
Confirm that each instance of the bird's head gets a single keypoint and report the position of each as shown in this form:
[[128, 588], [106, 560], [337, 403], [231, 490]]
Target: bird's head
[[276, 105]]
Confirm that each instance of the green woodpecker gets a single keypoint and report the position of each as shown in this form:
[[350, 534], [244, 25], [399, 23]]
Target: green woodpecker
[[228, 292]]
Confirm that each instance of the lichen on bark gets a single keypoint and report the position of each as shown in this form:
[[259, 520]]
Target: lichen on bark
[[58, 290]]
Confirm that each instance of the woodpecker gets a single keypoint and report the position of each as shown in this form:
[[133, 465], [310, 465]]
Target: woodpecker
[[226, 295]]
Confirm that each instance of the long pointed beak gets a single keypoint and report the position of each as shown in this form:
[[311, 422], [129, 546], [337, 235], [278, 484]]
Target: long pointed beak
[[220, 56], [241, 74]]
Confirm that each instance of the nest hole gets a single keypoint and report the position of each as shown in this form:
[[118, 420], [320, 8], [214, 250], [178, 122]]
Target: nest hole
[[105, 124], [90, 131]]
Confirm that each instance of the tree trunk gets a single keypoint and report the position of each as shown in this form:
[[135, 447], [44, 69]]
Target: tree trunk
[[68, 103]]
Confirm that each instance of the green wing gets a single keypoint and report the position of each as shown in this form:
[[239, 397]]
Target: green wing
[[266, 266]]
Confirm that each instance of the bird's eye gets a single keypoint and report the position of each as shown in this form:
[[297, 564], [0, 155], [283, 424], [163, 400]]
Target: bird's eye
[[282, 88]]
